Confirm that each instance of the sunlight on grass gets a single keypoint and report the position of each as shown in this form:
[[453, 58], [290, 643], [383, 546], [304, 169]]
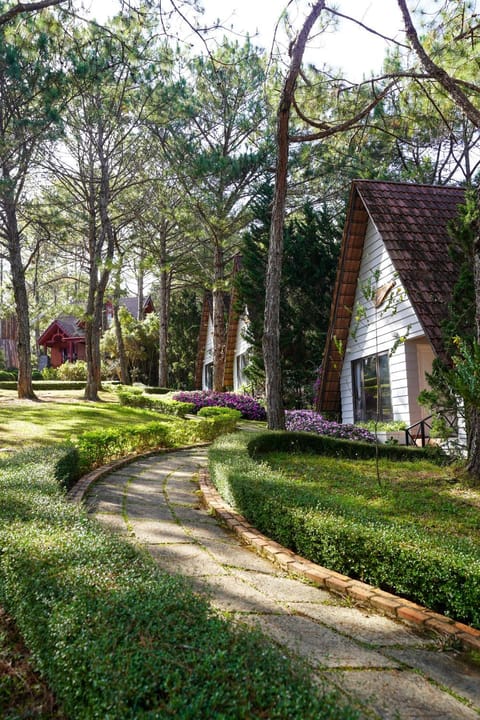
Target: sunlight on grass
[[56, 420], [411, 493]]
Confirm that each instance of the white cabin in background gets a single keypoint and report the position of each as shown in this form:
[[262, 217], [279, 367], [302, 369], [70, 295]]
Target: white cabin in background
[[394, 284], [236, 346]]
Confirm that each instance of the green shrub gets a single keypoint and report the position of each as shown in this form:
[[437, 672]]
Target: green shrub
[[133, 397], [280, 441], [443, 575], [215, 411], [6, 375], [115, 637], [49, 373], [72, 370], [156, 390], [99, 447], [46, 384]]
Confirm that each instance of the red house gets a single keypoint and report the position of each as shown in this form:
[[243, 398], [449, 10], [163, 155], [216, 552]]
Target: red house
[[64, 339]]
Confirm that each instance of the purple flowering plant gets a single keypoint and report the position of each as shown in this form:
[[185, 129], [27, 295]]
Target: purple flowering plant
[[311, 421], [246, 404]]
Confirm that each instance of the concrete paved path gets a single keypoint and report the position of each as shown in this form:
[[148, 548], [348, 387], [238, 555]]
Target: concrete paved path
[[394, 672]]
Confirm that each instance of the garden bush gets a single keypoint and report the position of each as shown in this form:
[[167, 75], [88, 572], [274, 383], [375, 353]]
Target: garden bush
[[279, 441], [114, 636], [46, 384], [246, 404], [6, 375], [98, 447], [215, 411], [134, 397], [442, 573], [72, 370], [151, 390], [311, 421]]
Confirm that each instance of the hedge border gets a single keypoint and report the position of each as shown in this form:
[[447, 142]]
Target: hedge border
[[407, 612]]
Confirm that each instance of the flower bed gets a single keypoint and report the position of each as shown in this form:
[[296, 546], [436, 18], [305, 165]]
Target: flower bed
[[311, 421], [246, 404]]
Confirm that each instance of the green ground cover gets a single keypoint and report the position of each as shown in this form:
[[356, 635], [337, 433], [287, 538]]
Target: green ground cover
[[419, 493]]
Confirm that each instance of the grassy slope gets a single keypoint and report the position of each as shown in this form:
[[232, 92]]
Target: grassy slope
[[58, 416], [418, 493]]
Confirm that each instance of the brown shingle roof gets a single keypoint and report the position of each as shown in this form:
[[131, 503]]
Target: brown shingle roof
[[413, 222]]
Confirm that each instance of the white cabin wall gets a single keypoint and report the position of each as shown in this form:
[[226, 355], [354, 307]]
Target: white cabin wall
[[208, 354], [378, 331], [241, 346]]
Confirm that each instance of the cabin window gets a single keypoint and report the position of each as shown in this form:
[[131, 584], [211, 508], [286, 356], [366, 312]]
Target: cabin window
[[208, 376], [372, 396], [241, 364]]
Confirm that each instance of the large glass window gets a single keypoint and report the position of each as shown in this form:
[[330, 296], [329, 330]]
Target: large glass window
[[241, 363], [372, 397], [208, 377]]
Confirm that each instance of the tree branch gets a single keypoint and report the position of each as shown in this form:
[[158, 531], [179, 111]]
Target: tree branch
[[27, 8], [341, 127], [451, 84]]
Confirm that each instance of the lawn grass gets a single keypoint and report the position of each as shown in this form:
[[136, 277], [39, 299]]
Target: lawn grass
[[421, 493], [58, 416]]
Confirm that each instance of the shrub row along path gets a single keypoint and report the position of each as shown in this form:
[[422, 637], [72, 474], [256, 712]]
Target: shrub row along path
[[392, 670]]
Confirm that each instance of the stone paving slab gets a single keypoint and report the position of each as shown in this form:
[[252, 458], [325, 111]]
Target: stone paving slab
[[366, 626], [320, 645], [210, 531], [192, 515], [236, 556], [395, 694], [186, 559], [447, 669], [283, 587], [157, 532], [227, 593]]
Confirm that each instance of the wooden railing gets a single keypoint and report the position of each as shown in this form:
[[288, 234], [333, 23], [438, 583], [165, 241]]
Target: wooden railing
[[419, 433]]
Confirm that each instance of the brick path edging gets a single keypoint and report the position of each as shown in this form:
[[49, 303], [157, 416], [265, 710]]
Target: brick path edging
[[366, 595]]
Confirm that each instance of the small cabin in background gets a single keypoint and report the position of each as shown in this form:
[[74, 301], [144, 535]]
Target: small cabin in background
[[64, 339], [394, 284], [236, 346]]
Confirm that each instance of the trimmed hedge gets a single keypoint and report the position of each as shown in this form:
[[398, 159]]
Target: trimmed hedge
[[47, 385], [402, 559], [134, 397], [306, 442], [215, 411], [114, 636], [98, 447], [152, 390]]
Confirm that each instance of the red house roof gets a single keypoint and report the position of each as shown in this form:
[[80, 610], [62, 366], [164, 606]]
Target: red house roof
[[63, 327]]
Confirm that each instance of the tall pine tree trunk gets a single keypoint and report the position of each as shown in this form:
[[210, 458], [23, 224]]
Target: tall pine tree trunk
[[164, 290], [25, 386], [271, 327], [101, 239], [218, 311], [122, 356]]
